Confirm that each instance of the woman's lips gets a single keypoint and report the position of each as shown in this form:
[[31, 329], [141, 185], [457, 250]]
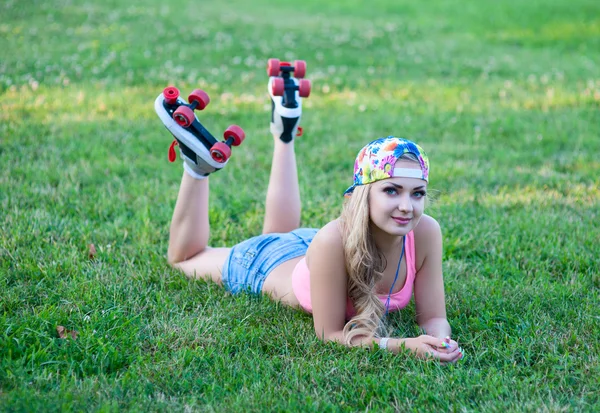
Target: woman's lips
[[401, 221]]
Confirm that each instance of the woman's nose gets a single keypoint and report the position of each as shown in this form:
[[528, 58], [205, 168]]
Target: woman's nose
[[404, 203]]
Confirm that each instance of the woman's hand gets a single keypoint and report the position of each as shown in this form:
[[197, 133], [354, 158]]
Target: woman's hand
[[429, 347]]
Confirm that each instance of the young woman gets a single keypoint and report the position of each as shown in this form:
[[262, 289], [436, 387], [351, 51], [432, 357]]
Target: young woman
[[350, 273]]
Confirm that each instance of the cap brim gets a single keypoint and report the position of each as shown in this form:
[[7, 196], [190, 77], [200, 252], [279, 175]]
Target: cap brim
[[349, 191]]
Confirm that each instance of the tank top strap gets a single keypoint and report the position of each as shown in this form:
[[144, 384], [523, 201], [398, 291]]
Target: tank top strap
[[411, 259]]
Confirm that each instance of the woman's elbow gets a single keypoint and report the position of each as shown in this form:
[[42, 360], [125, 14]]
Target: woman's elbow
[[173, 258], [337, 336]]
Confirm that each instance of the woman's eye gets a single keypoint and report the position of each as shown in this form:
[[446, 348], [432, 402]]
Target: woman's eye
[[420, 194], [390, 191]]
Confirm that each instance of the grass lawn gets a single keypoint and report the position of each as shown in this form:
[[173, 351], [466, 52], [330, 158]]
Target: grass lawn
[[504, 96]]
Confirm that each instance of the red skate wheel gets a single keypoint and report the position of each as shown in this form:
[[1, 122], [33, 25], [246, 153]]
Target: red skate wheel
[[273, 67], [299, 69], [277, 87], [171, 93], [304, 88], [200, 96], [220, 152], [235, 132], [184, 116]]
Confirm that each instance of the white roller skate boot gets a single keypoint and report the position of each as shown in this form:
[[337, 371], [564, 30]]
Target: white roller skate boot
[[202, 154], [286, 94]]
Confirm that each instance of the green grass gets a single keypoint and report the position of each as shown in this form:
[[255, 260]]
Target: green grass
[[504, 96]]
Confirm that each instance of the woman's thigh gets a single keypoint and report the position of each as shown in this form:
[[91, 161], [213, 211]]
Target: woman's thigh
[[207, 265]]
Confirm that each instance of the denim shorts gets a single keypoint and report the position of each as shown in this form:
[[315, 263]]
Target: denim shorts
[[250, 262]]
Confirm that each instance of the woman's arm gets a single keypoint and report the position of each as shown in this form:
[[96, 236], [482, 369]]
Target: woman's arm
[[328, 290], [424, 346], [328, 282], [429, 283], [430, 302]]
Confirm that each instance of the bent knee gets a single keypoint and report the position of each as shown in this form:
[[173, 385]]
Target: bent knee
[[177, 256], [174, 259]]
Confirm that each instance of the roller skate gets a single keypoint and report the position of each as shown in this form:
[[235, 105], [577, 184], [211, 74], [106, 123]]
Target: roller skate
[[201, 152], [286, 93]]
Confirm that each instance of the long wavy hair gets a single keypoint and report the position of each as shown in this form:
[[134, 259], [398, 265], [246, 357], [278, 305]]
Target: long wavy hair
[[365, 265]]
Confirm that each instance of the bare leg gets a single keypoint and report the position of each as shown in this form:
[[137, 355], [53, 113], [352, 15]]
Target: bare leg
[[282, 211], [188, 249], [189, 225], [282, 215]]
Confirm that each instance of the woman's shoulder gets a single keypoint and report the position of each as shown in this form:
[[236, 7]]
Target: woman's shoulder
[[428, 227], [330, 234], [428, 236], [327, 242]]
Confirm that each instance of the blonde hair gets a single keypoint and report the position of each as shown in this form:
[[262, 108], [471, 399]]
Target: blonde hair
[[364, 263]]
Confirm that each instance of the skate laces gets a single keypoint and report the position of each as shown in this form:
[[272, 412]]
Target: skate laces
[[172, 153]]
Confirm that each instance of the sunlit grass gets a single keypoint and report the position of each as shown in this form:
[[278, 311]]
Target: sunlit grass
[[553, 32], [79, 103], [503, 96]]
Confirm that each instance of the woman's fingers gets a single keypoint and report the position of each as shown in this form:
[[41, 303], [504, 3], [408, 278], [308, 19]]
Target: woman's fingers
[[449, 345], [444, 357], [445, 350], [433, 341], [445, 345]]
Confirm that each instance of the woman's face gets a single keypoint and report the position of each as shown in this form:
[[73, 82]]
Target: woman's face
[[396, 204]]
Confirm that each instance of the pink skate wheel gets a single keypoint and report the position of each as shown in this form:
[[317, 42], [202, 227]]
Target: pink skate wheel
[[277, 87], [304, 88], [200, 96], [273, 67], [235, 132], [184, 116], [220, 152], [299, 69], [171, 93]]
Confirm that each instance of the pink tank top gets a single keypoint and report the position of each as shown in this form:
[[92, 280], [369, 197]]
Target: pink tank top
[[398, 300]]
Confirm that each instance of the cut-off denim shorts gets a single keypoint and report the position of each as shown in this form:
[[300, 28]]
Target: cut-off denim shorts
[[250, 262]]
